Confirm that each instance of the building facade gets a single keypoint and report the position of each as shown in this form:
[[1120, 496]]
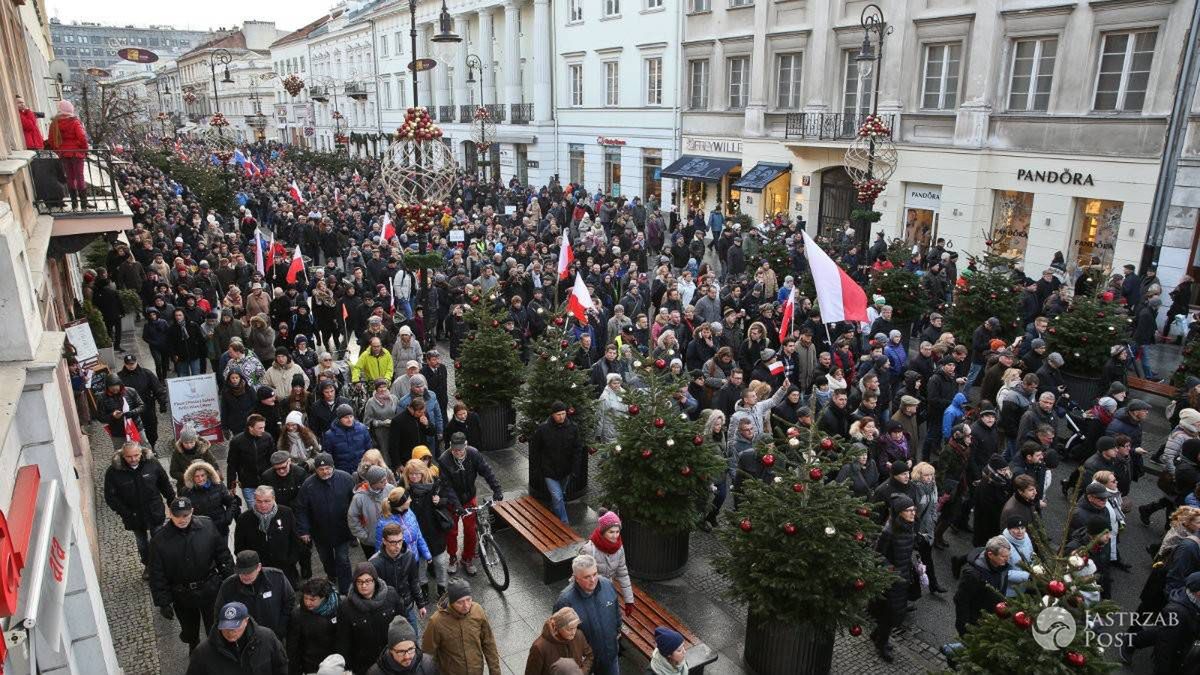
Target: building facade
[[91, 45], [212, 84]]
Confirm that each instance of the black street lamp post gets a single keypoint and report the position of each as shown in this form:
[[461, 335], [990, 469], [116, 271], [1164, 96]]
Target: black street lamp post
[[221, 57], [474, 62], [872, 21]]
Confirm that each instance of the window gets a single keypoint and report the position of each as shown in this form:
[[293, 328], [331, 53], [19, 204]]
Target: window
[[741, 3], [612, 7], [654, 81], [1032, 71], [700, 6], [654, 4], [576, 163], [383, 47], [302, 64], [576, 11], [612, 170], [1124, 71], [387, 95], [787, 82], [651, 173], [575, 74], [856, 96], [941, 77], [738, 68], [399, 43], [1011, 216], [698, 84], [611, 83]]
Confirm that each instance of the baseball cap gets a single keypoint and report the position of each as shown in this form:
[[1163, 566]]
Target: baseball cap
[[130, 358], [247, 561], [1096, 490], [232, 616], [458, 441], [181, 506]]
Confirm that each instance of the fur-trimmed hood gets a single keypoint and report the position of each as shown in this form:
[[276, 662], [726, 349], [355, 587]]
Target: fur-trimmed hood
[[202, 446], [118, 462], [213, 476]]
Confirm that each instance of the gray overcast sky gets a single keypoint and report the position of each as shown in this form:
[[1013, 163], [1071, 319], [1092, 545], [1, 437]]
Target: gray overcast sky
[[190, 14]]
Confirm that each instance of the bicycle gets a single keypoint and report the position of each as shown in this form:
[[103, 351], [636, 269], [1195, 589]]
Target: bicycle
[[494, 564]]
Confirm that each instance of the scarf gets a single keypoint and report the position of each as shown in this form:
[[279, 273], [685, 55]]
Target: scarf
[[661, 665], [329, 606], [296, 446], [603, 544], [373, 604], [264, 519]]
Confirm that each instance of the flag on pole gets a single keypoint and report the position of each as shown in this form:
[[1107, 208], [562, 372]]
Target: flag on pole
[[789, 313], [296, 267], [356, 176], [132, 433], [838, 296], [337, 196], [259, 244], [579, 301], [295, 191], [566, 255], [389, 229]]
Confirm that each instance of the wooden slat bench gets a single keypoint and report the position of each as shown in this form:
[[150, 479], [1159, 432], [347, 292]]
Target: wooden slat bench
[[1150, 387], [535, 523], [638, 628]]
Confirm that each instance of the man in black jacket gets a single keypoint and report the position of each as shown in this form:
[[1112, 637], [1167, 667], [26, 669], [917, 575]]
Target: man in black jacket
[[322, 410], [188, 560], [399, 568], [238, 645], [249, 456], [321, 509], [135, 486], [728, 396], [461, 466], [556, 460], [285, 477], [151, 391], [835, 420], [942, 387], [265, 591], [436, 379], [1175, 632], [983, 582], [269, 529], [117, 404]]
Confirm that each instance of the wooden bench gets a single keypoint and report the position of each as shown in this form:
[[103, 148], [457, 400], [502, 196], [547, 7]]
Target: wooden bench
[[535, 523], [1163, 389], [638, 628]]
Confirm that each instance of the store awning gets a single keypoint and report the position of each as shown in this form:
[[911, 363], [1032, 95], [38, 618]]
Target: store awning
[[757, 179], [695, 167]]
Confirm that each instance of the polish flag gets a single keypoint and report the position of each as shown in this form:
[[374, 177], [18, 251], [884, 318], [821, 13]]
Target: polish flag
[[296, 267], [579, 301], [296, 194], [565, 255], [132, 433], [776, 368], [838, 296], [389, 229], [337, 196], [789, 312], [356, 176], [272, 252], [258, 253]]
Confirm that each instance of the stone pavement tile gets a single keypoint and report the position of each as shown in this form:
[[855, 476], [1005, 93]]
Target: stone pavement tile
[[516, 638]]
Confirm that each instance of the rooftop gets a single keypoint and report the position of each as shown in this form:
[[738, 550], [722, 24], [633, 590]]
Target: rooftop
[[300, 34]]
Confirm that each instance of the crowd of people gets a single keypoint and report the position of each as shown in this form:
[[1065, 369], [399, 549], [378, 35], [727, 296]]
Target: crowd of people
[[343, 431]]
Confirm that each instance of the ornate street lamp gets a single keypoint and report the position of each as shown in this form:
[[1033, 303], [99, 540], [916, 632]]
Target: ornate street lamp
[[871, 158]]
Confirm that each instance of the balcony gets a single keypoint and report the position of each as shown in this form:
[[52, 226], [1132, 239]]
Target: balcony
[[100, 208], [829, 126], [356, 91], [445, 113], [522, 113], [466, 114], [318, 93], [496, 111]]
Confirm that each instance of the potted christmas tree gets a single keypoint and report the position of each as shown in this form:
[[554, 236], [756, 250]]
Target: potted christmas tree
[[658, 474], [1084, 335], [991, 289], [901, 288], [801, 557], [488, 371], [552, 377]]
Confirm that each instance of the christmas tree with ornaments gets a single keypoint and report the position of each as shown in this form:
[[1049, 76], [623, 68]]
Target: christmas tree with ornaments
[[1087, 331], [661, 468], [990, 289], [901, 288], [488, 370], [801, 548], [552, 376]]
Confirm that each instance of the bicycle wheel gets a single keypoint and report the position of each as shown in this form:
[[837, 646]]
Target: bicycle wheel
[[494, 564]]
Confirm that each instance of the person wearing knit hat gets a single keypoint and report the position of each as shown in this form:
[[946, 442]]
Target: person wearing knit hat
[[560, 639], [298, 440], [365, 617], [189, 448], [67, 138], [557, 459], [402, 653], [606, 547], [459, 636], [896, 544], [670, 654]]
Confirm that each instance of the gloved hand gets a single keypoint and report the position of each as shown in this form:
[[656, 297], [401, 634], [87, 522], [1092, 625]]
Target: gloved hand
[[497, 496], [629, 609], [167, 612]]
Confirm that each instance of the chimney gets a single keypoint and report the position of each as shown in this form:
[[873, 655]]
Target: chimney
[[259, 34]]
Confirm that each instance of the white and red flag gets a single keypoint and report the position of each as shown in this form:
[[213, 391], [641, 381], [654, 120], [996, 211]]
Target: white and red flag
[[389, 229], [296, 267], [838, 296], [789, 315], [566, 255], [579, 301], [295, 191]]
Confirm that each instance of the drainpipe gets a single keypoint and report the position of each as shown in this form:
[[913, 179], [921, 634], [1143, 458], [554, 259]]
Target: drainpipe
[[1185, 92], [375, 81]]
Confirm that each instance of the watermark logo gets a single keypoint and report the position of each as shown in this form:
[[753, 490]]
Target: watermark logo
[[1054, 628]]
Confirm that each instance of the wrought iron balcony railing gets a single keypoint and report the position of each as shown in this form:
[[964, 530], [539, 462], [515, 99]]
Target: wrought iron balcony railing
[[75, 182], [522, 113], [829, 126]]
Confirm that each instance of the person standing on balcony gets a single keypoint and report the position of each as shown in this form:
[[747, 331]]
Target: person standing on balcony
[[29, 126], [69, 140]]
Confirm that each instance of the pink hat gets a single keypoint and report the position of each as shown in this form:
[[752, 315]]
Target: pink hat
[[65, 107], [608, 520]]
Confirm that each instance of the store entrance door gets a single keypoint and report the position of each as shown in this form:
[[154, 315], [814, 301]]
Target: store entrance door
[[837, 201]]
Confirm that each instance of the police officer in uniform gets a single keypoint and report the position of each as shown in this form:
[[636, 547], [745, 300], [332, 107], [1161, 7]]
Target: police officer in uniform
[[188, 561]]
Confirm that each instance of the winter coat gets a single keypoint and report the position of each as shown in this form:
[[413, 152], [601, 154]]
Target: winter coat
[[322, 506], [954, 413], [67, 137], [600, 616], [248, 457], [429, 525], [236, 407], [861, 479], [280, 379], [460, 477], [554, 450], [279, 546], [895, 545], [269, 599], [461, 645], [414, 539], [346, 444], [548, 648], [186, 346], [364, 512], [31, 130], [980, 587], [213, 499], [107, 404], [940, 391], [311, 637], [991, 494], [321, 414], [193, 554], [287, 488], [422, 664], [1020, 552], [610, 409], [137, 494], [611, 567], [402, 575], [261, 653], [362, 626], [181, 459], [154, 332], [405, 433]]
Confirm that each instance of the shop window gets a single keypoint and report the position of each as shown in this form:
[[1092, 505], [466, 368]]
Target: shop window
[[1011, 211], [695, 194], [733, 200], [1097, 223], [576, 162], [612, 170], [651, 173]]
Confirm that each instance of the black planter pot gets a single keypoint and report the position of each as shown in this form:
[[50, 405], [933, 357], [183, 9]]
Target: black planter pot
[[495, 422], [654, 555], [576, 489], [781, 648], [1084, 389]]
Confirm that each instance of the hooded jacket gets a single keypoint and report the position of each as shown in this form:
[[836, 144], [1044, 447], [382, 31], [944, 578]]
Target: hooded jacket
[[548, 648], [236, 403], [364, 511], [461, 645], [402, 575], [362, 623], [213, 499], [137, 494], [67, 137], [600, 616], [269, 599], [181, 459], [346, 444], [259, 652], [954, 413]]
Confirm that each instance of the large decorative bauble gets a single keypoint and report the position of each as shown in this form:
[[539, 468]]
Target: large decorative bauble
[[417, 170], [870, 157]]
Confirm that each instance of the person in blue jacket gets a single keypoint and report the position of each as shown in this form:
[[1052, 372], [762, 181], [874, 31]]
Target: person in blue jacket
[[321, 507], [347, 440], [595, 600], [955, 413]]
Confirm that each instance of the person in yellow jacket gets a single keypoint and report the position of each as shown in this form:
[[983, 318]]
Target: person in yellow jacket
[[373, 364]]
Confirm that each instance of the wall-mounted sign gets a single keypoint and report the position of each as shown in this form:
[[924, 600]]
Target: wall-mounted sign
[[922, 196], [729, 145], [137, 55], [1066, 177], [532, 164], [421, 65], [610, 141], [15, 535], [98, 72]]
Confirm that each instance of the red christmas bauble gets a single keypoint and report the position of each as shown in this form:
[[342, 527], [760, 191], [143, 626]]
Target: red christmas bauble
[[799, 487], [859, 584], [1075, 659], [660, 493], [768, 460], [1022, 620], [745, 525], [592, 451], [1056, 588], [793, 432], [1001, 609], [458, 364], [558, 321], [1052, 331], [475, 299], [563, 344], [634, 409], [789, 529], [1100, 314], [698, 439], [815, 474], [571, 410], [859, 536], [495, 323], [856, 630], [646, 453], [686, 471], [826, 443], [471, 337], [659, 423], [863, 511], [570, 365]]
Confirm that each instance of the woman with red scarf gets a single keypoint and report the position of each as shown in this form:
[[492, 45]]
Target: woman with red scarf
[[605, 546]]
